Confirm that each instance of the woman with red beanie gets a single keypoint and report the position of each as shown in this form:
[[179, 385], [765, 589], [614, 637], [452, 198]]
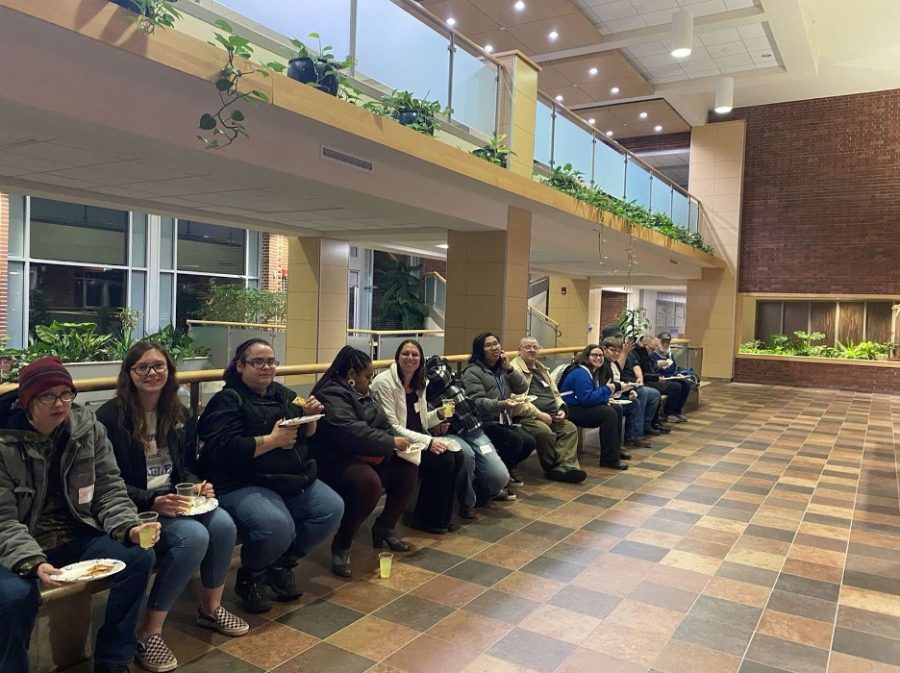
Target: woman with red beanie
[[62, 500]]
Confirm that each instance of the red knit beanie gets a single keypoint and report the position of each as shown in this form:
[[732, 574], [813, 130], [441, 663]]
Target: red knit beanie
[[41, 375]]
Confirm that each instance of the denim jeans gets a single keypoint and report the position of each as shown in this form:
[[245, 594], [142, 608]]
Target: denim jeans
[[648, 400], [20, 598], [186, 543], [272, 527], [483, 474]]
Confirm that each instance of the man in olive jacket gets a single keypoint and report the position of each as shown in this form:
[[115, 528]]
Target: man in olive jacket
[[61, 501], [545, 417]]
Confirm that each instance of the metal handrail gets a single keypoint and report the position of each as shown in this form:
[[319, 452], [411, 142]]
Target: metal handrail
[[393, 332], [546, 318], [571, 116], [435, 274], [224, 323]]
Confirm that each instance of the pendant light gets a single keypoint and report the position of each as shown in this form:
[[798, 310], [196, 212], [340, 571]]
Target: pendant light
[[682, 33], [724, 89]]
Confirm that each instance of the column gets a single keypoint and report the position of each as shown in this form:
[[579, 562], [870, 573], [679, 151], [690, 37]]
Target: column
[[717, 171], [569, 299], [316, 300], [518, 106], [487, 283]]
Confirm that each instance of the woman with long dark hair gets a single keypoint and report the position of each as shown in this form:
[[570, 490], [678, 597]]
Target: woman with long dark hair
[[400, 390], [490, 380], [265, 478], [588, 402], [356, 449], [150, 435]]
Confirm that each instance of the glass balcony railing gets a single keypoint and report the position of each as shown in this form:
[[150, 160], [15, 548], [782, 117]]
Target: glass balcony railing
[[561, 137], [395, 44]]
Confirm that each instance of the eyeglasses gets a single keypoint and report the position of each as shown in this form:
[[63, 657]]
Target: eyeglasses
[[261, 363], [143, 369], [492, 347], [614, 350], [530, 348], [596, 355], [50, 398]]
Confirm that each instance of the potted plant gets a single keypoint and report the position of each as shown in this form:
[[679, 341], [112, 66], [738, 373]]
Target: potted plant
[[495, 151], [417, 113], [634, 323], [400, 306], [320, 69]]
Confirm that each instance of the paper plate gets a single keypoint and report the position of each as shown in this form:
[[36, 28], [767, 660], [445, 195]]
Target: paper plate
[[301, 420], [88, 571], [201, 505]]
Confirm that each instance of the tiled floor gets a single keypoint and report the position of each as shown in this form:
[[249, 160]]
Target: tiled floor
[[762, 537]]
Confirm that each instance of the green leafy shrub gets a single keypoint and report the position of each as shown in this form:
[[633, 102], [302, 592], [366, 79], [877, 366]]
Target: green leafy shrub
[[236, 303], [801, 345]]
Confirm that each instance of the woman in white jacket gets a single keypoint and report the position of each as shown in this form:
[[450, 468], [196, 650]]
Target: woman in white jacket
[[400, 392]]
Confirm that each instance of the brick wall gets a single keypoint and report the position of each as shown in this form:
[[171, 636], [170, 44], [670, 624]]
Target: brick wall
[[821, 203], [4, 264], [273, 271], [816, 374], [611, 305]]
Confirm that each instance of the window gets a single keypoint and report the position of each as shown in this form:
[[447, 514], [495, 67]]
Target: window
[[210, 248], [76, 294], [70, 232]]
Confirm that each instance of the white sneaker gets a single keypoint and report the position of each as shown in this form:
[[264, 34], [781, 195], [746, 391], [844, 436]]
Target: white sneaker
[[672, 418]]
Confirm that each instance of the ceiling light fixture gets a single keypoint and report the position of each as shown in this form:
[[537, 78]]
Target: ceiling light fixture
[[592, 121], [553, 35], [609, 133], [519, 6], [657, 128], [724, 95], [451, 21], [682, 34], [593, 71], [643, 115], [442, 246], [489, 48], [559, 98], [614, 90]]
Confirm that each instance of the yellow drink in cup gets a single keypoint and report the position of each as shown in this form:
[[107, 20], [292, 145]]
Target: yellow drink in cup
[[146, 533], [385, 560], [448, 408]]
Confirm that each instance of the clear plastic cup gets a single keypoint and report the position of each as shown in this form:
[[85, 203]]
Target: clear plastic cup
[[145, 535], [385, 561]]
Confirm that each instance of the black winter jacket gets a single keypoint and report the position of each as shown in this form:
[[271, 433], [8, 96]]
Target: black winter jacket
[[353, 425], [227, 429], [181, 444]]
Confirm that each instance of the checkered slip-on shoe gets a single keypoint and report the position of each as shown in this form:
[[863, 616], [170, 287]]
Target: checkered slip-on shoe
[[155, 656], [224, 622]]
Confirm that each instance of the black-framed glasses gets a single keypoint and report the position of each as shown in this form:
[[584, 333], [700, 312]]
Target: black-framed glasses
[[51, 398], [597, 355], [262, 363], [143, 369]]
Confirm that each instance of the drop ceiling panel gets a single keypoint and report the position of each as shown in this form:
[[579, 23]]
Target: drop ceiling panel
[[574, 31], [624, 120]]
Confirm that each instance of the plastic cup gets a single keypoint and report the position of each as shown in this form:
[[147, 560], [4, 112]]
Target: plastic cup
[[385, 560], [145, 535], [448, 408], [186, 490]]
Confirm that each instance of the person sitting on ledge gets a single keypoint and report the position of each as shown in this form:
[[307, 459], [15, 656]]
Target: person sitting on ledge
[[545, 417], [665, 361], [61, 501]]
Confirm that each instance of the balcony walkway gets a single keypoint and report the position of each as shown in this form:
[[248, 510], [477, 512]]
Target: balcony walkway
[[726, 549]]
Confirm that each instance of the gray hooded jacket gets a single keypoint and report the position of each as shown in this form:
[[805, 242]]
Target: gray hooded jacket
[[95, 492]]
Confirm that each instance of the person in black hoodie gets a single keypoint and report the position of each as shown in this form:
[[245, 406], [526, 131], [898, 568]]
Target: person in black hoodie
[[263, 475], [355, 449], [146, 426]]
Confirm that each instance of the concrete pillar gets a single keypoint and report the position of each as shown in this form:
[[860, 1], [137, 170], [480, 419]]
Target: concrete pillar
[[518, 107], [569, 299], [317, 300], [487, 283], [717, 172]]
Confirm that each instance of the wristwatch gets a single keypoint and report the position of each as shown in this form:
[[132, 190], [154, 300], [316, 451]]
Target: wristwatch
[[28, 567]]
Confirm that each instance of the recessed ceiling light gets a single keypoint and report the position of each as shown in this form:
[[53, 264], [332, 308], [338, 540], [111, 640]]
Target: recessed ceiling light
[[592, 121], [519, 6], [442, 246], [553, 35], [643, 115], [766, 55], [657, 128], [489, 48], [451, 21], [614, 90], [559, 98], [609, 133], [593, 71]]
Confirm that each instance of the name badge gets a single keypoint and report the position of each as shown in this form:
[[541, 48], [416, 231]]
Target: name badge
[[543, 383], [485, 449], [85, 494], [416, 407]]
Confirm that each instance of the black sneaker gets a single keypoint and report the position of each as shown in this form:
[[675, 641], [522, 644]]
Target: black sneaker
[[570, 475], [251, 589], [282, 583], [514, 479], [662, 429], [652, 431]]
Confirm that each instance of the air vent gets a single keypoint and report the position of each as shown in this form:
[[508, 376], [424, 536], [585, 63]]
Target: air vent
[[356, 162]]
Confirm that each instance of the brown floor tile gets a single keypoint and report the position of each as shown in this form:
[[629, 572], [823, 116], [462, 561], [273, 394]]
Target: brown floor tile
[[695, 562], [373, 638], [325, 657], [269, 645], [785, 654], [505, 557], [215, 660], [795, 628], [427, 654], [414, 612], [644, 616], [584, 660], [737, 591], [321, 618], [867, 646], [679, 657], [559, 623], [530, 586], [449, 591], [485, 663], [865, 599], [662, 596], [470, 629], [844, 663], [526, 648], [461, 545], [502, 606], [813, 570]]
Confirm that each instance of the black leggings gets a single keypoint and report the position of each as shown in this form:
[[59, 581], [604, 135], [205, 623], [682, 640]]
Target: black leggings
[[606, 419], [513, 444], [437, 491]]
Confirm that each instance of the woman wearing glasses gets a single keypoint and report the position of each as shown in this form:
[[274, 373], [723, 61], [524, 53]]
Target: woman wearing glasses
[[588, 402], [151, 437], [61, 501], [263, 474]]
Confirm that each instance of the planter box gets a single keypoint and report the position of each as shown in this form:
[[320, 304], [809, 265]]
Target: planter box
[[871, 376]]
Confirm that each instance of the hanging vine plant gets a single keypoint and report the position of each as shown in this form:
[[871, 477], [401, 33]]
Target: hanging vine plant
[[227, 123], [151, 14]]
